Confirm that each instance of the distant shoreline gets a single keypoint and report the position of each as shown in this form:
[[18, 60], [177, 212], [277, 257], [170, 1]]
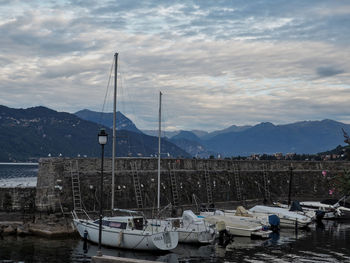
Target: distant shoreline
[[19, 163]]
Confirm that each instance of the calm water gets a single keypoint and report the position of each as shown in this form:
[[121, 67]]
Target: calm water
[[9, 170], [329, 242], [18, 175]]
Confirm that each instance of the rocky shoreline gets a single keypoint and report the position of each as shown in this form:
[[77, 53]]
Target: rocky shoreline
[[50, 226]]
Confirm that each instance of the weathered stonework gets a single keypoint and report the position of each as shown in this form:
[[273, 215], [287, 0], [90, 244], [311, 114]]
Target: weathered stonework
[[17, 198], [54, 187]]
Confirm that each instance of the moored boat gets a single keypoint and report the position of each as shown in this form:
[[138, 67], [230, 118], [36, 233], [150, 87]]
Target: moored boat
[[287, 218], [238, 226], [190, 228], [333, 208], [130, 232]]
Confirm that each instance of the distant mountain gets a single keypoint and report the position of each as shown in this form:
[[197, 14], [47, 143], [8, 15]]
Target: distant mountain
[[36, 132], [191, 143], [200, 133], [232, 128], [168, 134], [301, 137], [106, 119], [194, 148], [190, 136]]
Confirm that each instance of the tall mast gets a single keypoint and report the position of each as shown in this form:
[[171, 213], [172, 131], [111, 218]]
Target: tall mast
[[114, 124], [159, 134]]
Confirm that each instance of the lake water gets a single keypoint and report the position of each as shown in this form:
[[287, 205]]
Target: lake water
[[327, 242], [18, 174], [321, 243]]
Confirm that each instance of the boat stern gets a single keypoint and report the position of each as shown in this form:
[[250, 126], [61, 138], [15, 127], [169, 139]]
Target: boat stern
[[166, 240]]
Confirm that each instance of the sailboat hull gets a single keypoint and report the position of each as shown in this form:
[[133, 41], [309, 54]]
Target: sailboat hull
[[127, 238]]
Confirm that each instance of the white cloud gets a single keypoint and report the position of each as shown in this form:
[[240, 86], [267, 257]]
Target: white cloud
[[216, 65]]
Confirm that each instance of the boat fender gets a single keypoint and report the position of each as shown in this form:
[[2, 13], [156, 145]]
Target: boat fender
[[220, 226], [131, 224], [85, 238], [120, 240]]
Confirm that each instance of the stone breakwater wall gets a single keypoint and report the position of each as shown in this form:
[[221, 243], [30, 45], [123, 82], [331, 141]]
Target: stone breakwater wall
[[17, 198], [190, 181]]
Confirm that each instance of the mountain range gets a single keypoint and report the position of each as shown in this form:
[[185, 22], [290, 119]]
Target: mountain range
[[37, 132], [28, 134], [308, 137]]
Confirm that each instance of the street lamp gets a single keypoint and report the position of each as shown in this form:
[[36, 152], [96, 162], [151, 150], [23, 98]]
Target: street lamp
[[102, 140]]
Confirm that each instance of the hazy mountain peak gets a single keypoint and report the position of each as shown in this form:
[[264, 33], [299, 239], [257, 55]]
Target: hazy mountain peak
[[106, 119]]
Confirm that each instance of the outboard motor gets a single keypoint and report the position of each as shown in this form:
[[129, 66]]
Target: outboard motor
[[274, 222], [319, 214], [211, 207], [296, 206], [225, 237]]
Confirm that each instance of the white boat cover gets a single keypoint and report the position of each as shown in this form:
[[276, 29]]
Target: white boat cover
[[281, 212]]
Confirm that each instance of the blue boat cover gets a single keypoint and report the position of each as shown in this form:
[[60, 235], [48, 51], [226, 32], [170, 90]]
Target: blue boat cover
[[274, 220]]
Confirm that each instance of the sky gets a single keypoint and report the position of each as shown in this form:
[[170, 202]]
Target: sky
[[217, 63]]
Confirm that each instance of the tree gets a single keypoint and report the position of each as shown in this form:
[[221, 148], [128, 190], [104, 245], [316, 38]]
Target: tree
[[341, 183]]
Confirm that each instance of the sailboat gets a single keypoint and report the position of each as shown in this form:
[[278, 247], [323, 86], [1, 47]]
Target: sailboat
[[190, 228], [131, 231]]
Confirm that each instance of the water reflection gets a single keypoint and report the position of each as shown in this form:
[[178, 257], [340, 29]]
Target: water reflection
[[327, 242]]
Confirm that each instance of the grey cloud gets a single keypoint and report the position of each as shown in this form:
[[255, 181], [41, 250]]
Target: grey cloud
[[259, 59], [328, 71]]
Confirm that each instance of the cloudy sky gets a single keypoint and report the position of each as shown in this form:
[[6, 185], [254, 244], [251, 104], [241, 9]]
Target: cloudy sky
[[218, 63]]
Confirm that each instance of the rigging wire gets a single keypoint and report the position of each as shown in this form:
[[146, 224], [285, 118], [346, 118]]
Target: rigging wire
[[106, 94], [126, 97]]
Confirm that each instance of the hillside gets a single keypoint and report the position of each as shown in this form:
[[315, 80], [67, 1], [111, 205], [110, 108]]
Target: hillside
[[301, 137], [106, 119], [37, 132], [306, 137]]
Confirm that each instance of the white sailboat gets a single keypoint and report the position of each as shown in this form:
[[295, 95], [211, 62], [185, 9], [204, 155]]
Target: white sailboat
[[132, 231]]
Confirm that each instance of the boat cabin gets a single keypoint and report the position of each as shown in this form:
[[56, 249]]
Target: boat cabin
[[123, 222]]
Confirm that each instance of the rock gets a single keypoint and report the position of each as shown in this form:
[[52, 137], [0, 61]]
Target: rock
[[23, 230], [9, 230]]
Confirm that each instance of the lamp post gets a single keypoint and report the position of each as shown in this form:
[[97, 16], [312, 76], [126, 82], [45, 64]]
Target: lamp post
[[102, 140]]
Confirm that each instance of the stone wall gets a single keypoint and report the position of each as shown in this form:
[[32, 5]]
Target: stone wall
[[17, 199], [193, 179]]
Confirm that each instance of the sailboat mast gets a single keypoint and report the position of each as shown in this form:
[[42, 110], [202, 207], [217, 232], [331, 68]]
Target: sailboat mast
[[159, 134], [114, 124]]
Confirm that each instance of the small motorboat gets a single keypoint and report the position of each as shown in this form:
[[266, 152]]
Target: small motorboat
[[333, 208], [287, 218], [238, 225]]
